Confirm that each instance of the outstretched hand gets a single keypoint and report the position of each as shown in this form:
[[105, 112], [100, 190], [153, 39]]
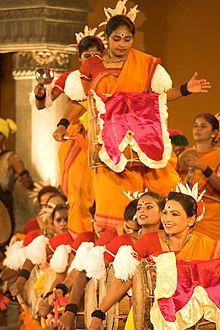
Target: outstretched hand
[[196, 85]]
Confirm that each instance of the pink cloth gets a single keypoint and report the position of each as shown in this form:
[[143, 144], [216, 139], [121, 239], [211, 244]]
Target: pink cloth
[[60, 301], [191, 274], [132, 112]]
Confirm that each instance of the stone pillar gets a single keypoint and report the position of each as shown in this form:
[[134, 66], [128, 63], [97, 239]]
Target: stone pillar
[[37, 32], [35, 143]]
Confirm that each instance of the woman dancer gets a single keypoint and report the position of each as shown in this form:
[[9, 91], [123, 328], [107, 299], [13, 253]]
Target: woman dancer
[[123, 103], [179, 216], [73, 151], [201, 164], [148, 220]]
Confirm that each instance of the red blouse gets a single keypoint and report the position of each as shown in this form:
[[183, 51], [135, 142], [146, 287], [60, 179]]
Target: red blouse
[[60, 82], [66, 239], [107, 236], [31, 225], [88, 236], [31, 235], [148, 244], [115, 244]]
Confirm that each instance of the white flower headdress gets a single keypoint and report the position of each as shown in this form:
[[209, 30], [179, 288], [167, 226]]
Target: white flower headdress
[[87, 32], [38, 186], [120, 9], [194, 192], [135, 195]]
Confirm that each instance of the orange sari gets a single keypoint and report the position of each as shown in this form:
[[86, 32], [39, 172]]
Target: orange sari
[[199, 247], [76, 178], [135, 76], [210, 224]]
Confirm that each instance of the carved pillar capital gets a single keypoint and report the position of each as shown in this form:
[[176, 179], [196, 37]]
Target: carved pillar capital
[[28, 25], [25, 63]]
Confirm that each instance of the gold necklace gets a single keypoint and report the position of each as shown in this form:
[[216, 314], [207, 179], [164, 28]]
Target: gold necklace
[[167, 238], [109, 59]]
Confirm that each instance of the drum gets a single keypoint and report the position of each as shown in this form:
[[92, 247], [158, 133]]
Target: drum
[[117, 315], [204, 325], [94, 294], [30, 295], [88, 303], [50, 276], [80, 318], [143, 287], [95, 146], [5, 225], [91, 301]]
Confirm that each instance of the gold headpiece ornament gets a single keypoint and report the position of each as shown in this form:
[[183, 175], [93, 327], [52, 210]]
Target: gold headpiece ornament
[[120, 9], [195, 194], [87, 32]]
